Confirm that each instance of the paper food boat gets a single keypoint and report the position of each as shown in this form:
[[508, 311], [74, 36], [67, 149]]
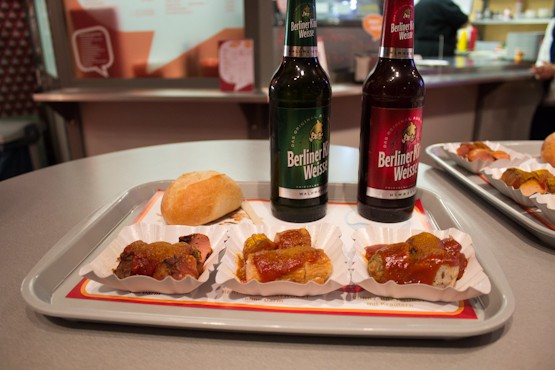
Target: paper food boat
[[324, 236], [101, 268], [477, 165], [473, 283]]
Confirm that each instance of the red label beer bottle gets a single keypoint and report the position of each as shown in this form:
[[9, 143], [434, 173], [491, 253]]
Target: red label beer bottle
[[391, 124]]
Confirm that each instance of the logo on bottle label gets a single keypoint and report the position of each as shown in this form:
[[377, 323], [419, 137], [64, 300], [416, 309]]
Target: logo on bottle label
[[398, 32], [394, 151], [306, 25], [405, 28], [303, 152], [301, 32]]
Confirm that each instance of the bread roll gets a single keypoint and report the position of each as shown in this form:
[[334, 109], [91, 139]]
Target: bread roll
[[548, 150], [196, 198]]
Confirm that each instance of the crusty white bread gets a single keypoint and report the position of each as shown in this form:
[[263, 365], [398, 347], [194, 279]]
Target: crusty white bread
[[197, 198], [548, 150]]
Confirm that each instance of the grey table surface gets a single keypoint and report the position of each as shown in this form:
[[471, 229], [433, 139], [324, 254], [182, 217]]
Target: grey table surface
[[38, 208]]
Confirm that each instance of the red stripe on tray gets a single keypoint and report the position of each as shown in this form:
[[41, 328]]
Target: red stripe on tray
[[464, 310]]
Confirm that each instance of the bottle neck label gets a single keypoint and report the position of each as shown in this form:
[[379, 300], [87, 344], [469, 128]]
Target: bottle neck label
[[300, 30], [303, 139], [393, 152], [398, 30]]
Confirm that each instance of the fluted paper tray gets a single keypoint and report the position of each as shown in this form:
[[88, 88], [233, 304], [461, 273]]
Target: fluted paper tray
[[51, 284], [494, 174], [473, 283], [478, 165], [102, 267], [324, 236]]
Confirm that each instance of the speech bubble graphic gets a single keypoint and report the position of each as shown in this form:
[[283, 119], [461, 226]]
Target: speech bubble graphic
[[93, 50], [372, 24], [236, 63], [178, 26]]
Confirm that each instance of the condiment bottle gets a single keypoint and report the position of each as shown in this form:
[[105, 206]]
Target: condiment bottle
[[300, 96], [462, 41], [391, 123]]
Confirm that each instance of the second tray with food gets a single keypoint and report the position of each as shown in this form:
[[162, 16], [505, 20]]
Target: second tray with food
[[55, 286], [527, 217]]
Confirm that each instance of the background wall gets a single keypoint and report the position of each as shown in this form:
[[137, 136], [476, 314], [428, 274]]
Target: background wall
[[451, 113], [498, 32]]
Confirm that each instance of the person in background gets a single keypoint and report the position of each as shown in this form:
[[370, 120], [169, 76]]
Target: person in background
[[543, 121], [435, 18]]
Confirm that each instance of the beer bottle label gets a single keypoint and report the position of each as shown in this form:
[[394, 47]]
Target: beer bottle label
[[398, 31], [300, 30], [393, 152], [303, 141]]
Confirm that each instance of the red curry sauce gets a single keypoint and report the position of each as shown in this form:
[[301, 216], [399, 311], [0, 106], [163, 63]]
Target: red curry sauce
[[271, 265], [408, 264]]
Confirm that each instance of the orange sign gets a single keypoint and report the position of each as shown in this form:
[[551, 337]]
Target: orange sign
[[372, 24]]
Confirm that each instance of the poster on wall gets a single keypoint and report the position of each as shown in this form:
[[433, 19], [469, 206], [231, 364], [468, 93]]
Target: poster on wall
[[150, 38]]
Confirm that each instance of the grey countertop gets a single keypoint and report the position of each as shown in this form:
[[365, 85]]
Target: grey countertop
[[460, 70], [38, 209]]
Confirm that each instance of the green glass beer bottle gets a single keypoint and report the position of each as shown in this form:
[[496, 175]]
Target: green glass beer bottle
[[391, 123], [300, 95]]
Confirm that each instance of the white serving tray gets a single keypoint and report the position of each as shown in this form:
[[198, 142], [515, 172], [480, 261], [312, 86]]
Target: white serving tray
[[47, 285]]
